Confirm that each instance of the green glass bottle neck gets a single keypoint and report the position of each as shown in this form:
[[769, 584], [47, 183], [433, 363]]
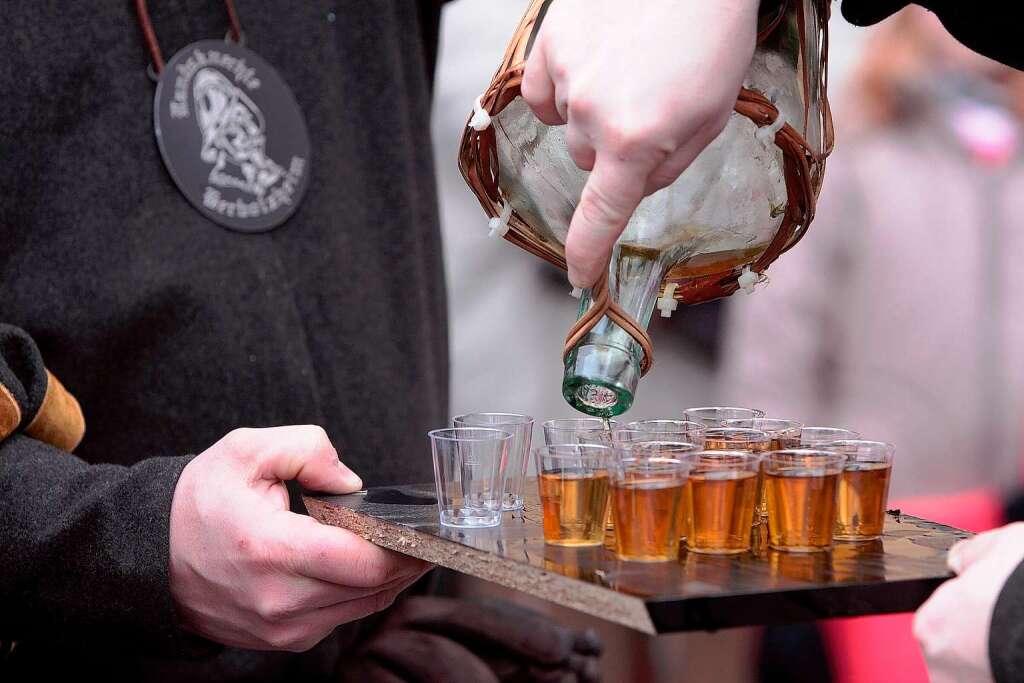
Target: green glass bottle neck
[[603, 370]]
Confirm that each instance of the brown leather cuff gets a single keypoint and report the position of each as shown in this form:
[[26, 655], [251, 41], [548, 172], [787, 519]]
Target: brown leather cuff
[[10, 412], [59, 421], [32, 399]]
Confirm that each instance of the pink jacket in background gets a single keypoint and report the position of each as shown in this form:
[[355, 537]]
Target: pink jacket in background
[[901, 314]]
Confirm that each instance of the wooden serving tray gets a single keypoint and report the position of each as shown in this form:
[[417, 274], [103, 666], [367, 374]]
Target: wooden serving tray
[[698, 592]]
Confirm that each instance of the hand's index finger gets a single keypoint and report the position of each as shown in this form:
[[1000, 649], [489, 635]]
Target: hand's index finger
[[968, 551], [612, 193]]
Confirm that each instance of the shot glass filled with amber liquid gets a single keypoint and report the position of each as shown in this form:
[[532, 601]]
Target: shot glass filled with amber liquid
[[744, 439], [801, 486], [573, 481], [647, 494], [781, 434], [722, 489], [631, 443], [863, 489]]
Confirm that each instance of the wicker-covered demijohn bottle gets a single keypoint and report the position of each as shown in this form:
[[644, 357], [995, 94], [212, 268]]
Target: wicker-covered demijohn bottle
[[747, 197]]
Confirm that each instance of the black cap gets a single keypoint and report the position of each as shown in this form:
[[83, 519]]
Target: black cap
[[868, 12]]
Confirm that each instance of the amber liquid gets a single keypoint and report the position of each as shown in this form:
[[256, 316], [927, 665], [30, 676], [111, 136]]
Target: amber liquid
[[646, 513], [721, 505], [715, 262], [684, 521], [713, 444], [777, 444], [574, 508], [801, 509], [860, 506]]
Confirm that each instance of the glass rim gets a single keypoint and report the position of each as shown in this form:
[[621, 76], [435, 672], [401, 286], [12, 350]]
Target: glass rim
[[756, 412], [482, 434], [655, 436], [886, 448], [668, 465], [790, 424], [654, 443], [655, 460], [584, 450], [791, 454], [551, 424], [725, 456], [816, 428], [516, 419], [712, 432], [684, 424]]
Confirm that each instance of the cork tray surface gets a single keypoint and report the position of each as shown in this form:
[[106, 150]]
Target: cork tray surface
[[894, 574]]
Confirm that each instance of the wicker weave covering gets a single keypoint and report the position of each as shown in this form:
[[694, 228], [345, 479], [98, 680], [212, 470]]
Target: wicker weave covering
[[803, 166]]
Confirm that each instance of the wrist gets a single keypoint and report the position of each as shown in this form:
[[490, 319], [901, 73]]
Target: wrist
[[1006, 629]]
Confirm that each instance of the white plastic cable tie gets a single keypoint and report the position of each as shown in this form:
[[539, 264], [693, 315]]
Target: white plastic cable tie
[[576, 293], [499, 224], [481, 120], [766, 134], [667, 303], [748, 280]]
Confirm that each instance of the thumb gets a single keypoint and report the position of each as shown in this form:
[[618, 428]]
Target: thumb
[[612, 193], [303, 453], [967, 552]]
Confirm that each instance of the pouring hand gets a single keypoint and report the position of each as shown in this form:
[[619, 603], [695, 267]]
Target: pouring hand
[[641, 92]]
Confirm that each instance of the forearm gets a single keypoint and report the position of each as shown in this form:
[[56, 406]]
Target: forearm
[[85, 547]]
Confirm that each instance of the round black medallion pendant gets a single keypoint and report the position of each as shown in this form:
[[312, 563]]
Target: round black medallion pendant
[[232, 135]]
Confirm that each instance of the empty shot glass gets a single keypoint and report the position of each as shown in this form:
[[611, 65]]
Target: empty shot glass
[[812, 437], [521, 429], [863, 488], [687, 430], [801, 486], [468, 474], [722, 495], [573, 484], [714, 416], [627, 436], [578, 430], [647, 496]]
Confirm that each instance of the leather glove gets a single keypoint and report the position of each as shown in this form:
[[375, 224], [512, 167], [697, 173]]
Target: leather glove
[[447, 640]]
